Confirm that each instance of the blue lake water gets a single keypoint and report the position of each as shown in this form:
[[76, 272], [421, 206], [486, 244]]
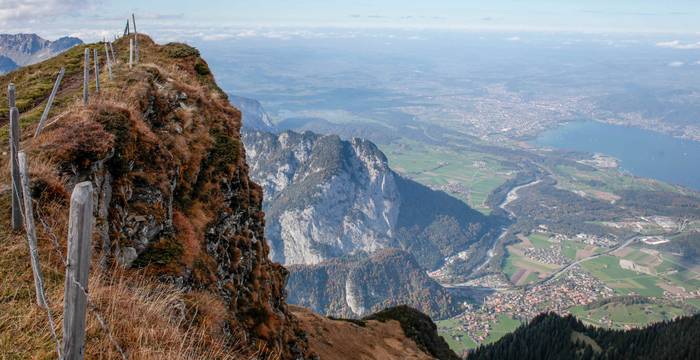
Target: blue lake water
[[641, 152]]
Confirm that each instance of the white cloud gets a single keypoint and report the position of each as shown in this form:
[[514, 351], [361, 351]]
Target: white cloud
[[20, 11], [676, 64], [677, 44], [513, 38]]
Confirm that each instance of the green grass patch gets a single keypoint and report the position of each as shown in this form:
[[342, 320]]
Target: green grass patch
[[607, 269], [570, 248], [619, 315], [503, 325], [476, 175], [457, 339], [539, 240]]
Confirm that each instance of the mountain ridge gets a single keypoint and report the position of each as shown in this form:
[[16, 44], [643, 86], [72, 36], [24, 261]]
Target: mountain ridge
[[27, 49], [326, 197]]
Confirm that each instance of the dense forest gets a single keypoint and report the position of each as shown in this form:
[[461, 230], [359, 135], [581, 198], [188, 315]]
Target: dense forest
[[550, 336]]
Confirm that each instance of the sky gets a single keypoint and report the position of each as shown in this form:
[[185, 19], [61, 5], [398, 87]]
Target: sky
[[93, 19]]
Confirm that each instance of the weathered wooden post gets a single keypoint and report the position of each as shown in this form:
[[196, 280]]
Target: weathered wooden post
[[111, 49], [11, 95], [31, 230], [131, 53], [45, 114], [14, 170], [126, 29], [136, 37], [96, 59], [109, 62], [86, 76], [80, 225]]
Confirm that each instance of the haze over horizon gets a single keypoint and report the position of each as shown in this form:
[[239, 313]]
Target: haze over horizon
[[211, 20]]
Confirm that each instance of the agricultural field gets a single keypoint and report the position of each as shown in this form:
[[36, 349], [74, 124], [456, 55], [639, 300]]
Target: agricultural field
[[604, 184], [619, 316], [625, 282], [456, 338], [468, 176], [521, 268], [503, 325]]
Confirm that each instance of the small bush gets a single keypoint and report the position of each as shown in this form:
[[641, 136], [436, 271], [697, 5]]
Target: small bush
[[179, 50], [201, 67], [79, 143]]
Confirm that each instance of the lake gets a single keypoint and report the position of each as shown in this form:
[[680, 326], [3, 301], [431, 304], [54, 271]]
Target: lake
[[641, 152]]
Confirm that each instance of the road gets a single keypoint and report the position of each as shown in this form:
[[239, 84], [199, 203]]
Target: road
[[555, 274]]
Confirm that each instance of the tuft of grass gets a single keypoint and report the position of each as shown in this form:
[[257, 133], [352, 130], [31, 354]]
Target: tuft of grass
[[179, 50]]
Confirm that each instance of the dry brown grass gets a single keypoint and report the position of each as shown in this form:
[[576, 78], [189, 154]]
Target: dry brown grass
[[148, 319]]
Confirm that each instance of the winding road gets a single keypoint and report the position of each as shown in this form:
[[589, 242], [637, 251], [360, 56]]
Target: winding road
[[510, 197]]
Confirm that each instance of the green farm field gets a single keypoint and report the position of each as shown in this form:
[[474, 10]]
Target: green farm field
[[475, 174], [456, 338], [618, 315]]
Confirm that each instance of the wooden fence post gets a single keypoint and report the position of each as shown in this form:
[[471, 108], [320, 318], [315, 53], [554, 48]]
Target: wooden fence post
[[131, 53], [96, 59], [45, 114], [14, 170], [86, 75], [109, 62], [31, 230], [126, 29], [111, 50], [80, 226], [136, 38], [11, 95]]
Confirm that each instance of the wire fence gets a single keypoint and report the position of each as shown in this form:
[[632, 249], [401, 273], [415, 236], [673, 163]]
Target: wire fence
[[76, 261]]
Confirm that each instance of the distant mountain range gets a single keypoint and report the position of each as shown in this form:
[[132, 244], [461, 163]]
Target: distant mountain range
[[25, 49]]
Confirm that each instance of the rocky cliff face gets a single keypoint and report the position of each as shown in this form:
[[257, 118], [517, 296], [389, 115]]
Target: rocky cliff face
[[326, 197], [27, 49], [254, 115], [359, 285]]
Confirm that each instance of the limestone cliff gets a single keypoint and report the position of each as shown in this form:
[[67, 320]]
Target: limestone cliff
[[326, 197]]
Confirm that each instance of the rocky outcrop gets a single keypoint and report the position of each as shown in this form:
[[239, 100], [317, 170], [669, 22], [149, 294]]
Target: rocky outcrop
[[173, 195], [254, 115], [326, 197], [355, 286]]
